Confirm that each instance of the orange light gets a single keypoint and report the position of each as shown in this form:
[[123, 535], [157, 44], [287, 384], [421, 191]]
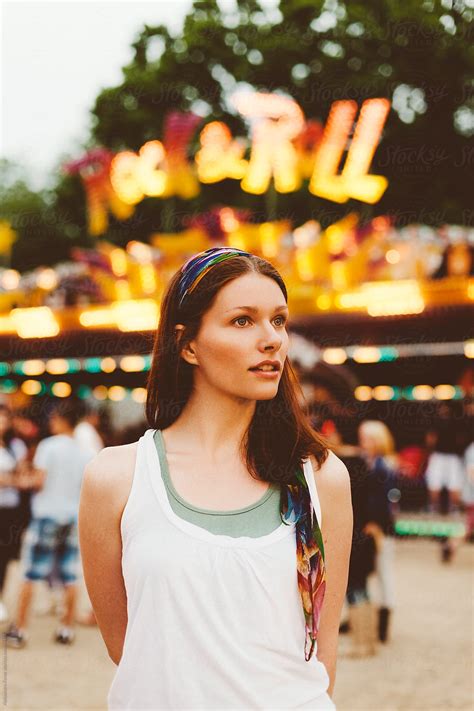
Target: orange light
[[37, 322], [220, 156], [354, 181], [134, 176]]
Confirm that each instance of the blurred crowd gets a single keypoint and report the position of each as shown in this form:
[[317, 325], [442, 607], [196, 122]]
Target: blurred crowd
[[42, 460]]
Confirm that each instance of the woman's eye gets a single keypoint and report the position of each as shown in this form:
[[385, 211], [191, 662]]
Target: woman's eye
[[241, 318], [246, 318]]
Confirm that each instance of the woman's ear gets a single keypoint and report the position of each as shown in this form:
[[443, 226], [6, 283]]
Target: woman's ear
[[187, 353]]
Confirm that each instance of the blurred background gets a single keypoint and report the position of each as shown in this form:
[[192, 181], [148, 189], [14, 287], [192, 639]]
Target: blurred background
[[335, 140]]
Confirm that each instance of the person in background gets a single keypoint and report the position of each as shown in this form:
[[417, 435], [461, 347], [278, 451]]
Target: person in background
[[12, 452], [362, 618], [86, 432], [378, 449], [451, 545], [445, 466], [51, 537]]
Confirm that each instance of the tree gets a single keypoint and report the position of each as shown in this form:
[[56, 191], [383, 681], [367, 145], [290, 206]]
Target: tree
[[418, 55]]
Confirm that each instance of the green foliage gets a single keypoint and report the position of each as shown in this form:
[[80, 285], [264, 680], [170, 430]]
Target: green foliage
[[318, 51]]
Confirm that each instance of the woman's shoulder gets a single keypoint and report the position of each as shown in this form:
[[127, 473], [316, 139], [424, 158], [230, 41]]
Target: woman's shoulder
[[111, 471], [332, 477]]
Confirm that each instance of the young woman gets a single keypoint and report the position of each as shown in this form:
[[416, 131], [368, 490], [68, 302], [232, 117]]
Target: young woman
[[215, 580], [378, 447]]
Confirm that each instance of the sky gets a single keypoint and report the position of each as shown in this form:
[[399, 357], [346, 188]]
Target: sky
[[55, 58]]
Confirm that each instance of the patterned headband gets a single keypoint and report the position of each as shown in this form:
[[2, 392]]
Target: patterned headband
[[197, 266]]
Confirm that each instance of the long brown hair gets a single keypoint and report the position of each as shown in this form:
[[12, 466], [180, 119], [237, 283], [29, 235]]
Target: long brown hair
[[280, 434]]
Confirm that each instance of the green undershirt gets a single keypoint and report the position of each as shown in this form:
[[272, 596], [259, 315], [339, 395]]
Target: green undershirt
[[255, 520]]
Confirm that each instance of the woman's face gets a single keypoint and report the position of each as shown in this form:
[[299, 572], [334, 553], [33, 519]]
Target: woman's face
[[367, 442], [231, 340]]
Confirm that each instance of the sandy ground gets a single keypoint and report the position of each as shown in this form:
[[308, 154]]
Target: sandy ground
[[428, 663]]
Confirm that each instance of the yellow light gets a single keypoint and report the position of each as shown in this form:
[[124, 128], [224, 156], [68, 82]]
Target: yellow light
[[351, 300], [366, 354], [220, 156], [6, 324], [444, 392], [422, 392], [363, 393], [140, 251], [151, 179], [97, 317], [47, 279], [148, 278], [338, 272], [336, 237], [393, 298], [122, 289], [100, 392], [392, 256], [31, 387], [61, 389], [324, 181], [383, 392], [334, 356], [132, 364], [470, 290], [116, 393], [118, 262], [270, 237], [277, 121], [323, 302], [360, 185], [134, 176], [57, 366], [136, 315], [108, 365], [139, 395], [33, 367], [469, 349], [37, 322], [128, 315], [10, 279], [354, 181], [123, 177]]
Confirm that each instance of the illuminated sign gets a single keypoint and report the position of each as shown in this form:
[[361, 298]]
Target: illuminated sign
[[277, 151]]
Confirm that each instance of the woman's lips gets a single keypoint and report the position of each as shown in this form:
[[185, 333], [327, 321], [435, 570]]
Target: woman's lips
[[269, 374]]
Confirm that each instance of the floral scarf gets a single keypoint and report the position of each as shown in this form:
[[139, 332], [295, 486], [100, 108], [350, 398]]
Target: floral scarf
[[297, 508]]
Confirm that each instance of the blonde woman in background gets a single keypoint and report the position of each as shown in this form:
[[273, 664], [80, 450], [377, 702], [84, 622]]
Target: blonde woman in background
[[378, 449]]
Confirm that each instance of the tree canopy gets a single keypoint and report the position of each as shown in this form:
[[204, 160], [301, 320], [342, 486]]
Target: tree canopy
[[417, 54]]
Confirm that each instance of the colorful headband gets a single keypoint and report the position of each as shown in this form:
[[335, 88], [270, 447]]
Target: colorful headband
[[197, 266]]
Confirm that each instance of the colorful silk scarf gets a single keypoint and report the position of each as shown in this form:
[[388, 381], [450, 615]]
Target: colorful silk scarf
[[298, 509]]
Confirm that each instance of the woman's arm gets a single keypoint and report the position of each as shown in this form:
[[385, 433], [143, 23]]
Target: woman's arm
[[105, 489], [334, 490]]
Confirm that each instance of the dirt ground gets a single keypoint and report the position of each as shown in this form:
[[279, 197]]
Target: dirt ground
[[427, 664]]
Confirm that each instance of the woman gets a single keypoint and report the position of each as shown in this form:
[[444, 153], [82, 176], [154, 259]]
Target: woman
[[377, 445], [445, 468], [221, 605], [360, 611], [12, 452]]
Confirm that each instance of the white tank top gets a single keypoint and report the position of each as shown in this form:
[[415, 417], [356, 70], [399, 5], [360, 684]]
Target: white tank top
[[214, 622]]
